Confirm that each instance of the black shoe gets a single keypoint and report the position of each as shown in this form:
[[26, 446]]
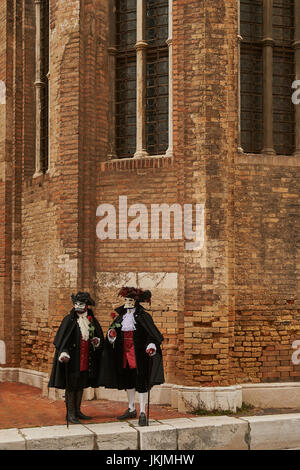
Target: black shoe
[[82, 416], [142, 420], [72, 419], [128, 414], [78, 399], [70, 397]]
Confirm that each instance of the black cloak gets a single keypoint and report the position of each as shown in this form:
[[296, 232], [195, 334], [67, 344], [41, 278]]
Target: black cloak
[[67, 340], [112, 371]]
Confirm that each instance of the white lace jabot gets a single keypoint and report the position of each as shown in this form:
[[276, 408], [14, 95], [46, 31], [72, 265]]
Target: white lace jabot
[[128, 323], [83, 323]]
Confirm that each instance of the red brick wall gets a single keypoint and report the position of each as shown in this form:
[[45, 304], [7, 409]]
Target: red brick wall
[[50, 228], [146, 263], [229, 313], [205, 133], [267, 268]]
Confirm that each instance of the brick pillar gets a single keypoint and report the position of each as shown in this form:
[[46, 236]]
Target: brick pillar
[[205, 52], [94, 131], [10, 141], [60, 186]]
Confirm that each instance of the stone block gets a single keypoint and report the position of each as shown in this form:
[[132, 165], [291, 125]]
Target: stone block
[[103, 393], [274, 432], [174, 397], [114, 436], [228, 398], [210, 433], [157, 436], [272, 395], [209, 398], [9, 374], [31, 377], [55, 394], [76, 437], [11, 439], [162, 394], [88, 394]]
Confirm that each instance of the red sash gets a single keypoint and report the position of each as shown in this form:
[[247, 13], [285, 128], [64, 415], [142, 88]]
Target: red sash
[[84, 355], [128, 352]]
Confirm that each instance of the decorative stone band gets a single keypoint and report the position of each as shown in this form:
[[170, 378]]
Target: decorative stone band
[[132, 164]]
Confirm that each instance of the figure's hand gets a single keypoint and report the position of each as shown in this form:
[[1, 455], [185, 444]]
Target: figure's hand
[[112, 334], [150, 352], [95, 341], [64, 357], [151, 349]]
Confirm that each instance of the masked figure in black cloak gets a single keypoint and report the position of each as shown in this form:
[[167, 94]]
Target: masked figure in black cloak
[[78, 342], [132, 358]]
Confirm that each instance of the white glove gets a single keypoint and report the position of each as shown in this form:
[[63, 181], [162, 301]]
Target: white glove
[[150, 347], [111, 339], [64, 357]]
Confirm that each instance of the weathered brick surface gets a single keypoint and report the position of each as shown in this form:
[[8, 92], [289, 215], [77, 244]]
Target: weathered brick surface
[[141, 256], [205, 134], [267, 269], [230, 312]]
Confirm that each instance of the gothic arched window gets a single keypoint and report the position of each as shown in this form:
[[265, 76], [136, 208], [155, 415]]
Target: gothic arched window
[[141, 46], [266, 76]]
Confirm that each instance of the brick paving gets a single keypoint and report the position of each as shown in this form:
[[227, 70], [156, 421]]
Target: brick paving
[[23, 406]]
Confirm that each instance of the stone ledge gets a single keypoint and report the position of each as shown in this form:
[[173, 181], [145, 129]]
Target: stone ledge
[[157, 436], [209, 398], [12, 439], [114, 436], [25, 376], [76, 437], [267, 160], [207, 433], [272, 395], [210, 433], [274, 432]]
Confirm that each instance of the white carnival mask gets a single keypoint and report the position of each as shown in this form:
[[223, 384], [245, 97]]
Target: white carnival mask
[[80, 307], [129, 303]]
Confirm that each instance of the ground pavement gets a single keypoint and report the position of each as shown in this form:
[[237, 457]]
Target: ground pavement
[[29, 421], [23, 406]]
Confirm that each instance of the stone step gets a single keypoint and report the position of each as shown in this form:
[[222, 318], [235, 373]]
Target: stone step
[[272, 432]]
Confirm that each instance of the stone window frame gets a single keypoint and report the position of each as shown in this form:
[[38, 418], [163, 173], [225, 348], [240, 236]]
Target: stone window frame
[[41, 84], [140, 47], [267, 48]]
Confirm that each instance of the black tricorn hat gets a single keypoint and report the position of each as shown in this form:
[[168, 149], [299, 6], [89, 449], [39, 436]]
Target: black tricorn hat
[[82, 297], [139, 295]]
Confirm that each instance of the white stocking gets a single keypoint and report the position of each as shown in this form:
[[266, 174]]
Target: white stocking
[[143, 400], [131, 398]]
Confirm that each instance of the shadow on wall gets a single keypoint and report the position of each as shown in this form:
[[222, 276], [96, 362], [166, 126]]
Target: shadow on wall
[[2, 353]]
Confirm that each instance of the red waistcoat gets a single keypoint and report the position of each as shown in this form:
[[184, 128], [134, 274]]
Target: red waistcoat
[[84, 355], [128, 351]]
